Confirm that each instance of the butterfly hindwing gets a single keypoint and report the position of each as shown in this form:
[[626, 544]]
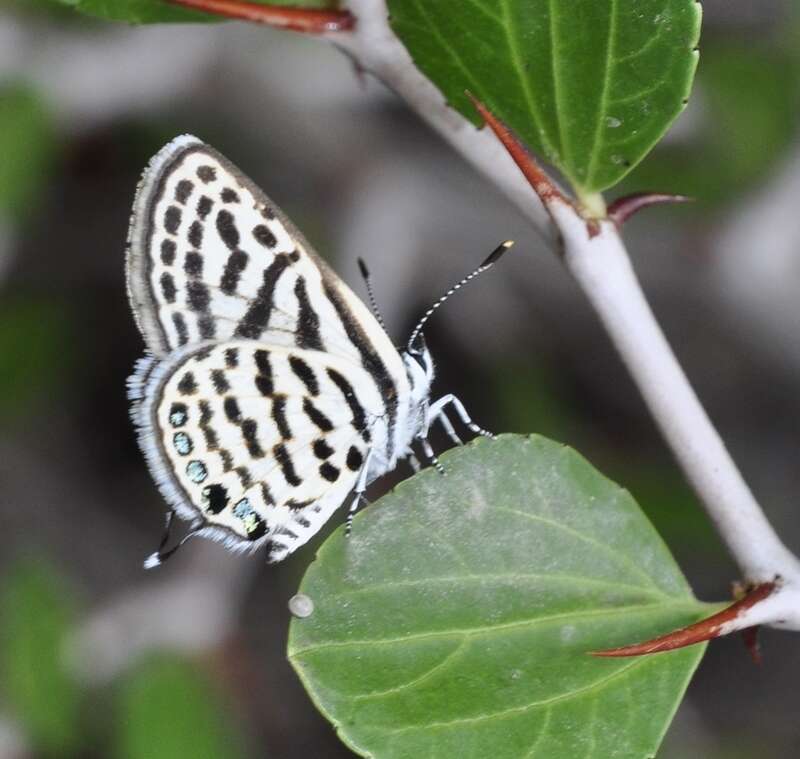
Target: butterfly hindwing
[[257, 442]]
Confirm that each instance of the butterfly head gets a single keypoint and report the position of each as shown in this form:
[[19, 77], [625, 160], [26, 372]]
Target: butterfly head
[[418, 361]]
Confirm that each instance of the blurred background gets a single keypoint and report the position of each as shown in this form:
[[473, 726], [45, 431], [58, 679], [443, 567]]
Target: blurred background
[[99, 658]]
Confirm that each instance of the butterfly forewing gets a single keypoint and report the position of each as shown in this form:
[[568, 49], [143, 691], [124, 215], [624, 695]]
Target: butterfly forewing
[[212, 258]]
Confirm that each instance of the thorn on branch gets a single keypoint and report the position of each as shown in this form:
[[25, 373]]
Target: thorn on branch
[[306, 20], [623, 208], [545, 188], [706, 629]]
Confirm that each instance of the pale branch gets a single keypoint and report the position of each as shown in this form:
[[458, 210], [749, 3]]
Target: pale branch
[[597, 259]]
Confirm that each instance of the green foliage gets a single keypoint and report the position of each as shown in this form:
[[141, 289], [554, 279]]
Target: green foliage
[[27, 146], [35, 616], [156, 11], [747, 115], [462, 610], [32, 356], [590, 85], [168, 711]]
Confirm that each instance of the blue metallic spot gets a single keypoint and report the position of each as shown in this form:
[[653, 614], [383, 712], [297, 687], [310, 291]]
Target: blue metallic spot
[[182, 443], [243, 509], [196, 471]]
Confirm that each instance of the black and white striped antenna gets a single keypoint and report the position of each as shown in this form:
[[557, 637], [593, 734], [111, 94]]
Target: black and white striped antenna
[[487, 264], [373, 304]]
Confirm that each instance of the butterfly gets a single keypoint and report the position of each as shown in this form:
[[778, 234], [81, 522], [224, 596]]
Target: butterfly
[[269, 392]]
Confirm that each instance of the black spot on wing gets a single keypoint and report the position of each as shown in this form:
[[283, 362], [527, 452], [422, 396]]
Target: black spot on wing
[[287, 466], [359, 420], [263, 235], [321, 449], [206, 414], [234, 266], [279, 416], [258, 529], [207, 173], [168, 250], [198, 297], [329, 472], [316, 416], [206, 326], [216, 498], [266, 494], [243, 473], [226, 226], [307, 334], [195, 234], [305, 374], [219, 381], [250, 435], [232, 410], [183, 190], [167, 287], [354, 459], [229, 196], [180, 328], [187, 384], [172, 219], [231, 358], [255, 320], [193, 264], [204, 206], [263, 379]]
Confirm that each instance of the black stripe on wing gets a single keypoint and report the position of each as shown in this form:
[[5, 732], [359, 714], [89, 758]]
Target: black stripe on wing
[[370, 360]]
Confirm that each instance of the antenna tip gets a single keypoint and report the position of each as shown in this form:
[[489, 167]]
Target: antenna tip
[[497, 252], [362, 267]]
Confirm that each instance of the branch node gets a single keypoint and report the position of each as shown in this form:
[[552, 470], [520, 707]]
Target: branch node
[[306, 20], [623, 208]]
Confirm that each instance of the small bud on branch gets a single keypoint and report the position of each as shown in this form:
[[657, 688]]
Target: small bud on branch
[[623, 208]]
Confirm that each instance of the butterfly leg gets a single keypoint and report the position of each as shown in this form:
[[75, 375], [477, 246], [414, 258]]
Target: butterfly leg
[[437, 410], [358, 496], [413, 462], [447, 425], [426, 447]]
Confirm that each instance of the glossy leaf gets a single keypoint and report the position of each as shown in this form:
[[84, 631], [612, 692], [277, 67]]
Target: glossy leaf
[[590, 85], [460, 614]]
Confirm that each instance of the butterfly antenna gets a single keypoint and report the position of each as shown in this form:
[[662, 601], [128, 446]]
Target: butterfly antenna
[[373, 304], [487, 264]]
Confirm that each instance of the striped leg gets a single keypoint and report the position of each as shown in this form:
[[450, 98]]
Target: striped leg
[[437, 411], [426, 447]]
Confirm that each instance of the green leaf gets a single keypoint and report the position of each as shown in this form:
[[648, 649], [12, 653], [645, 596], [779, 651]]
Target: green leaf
[[35, 617], [459, 615], [27, 146], [33, 366], [590, 85], [167, 710], [156, 11]]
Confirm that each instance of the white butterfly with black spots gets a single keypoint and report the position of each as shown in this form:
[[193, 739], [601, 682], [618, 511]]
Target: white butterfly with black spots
[[270, 391]]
